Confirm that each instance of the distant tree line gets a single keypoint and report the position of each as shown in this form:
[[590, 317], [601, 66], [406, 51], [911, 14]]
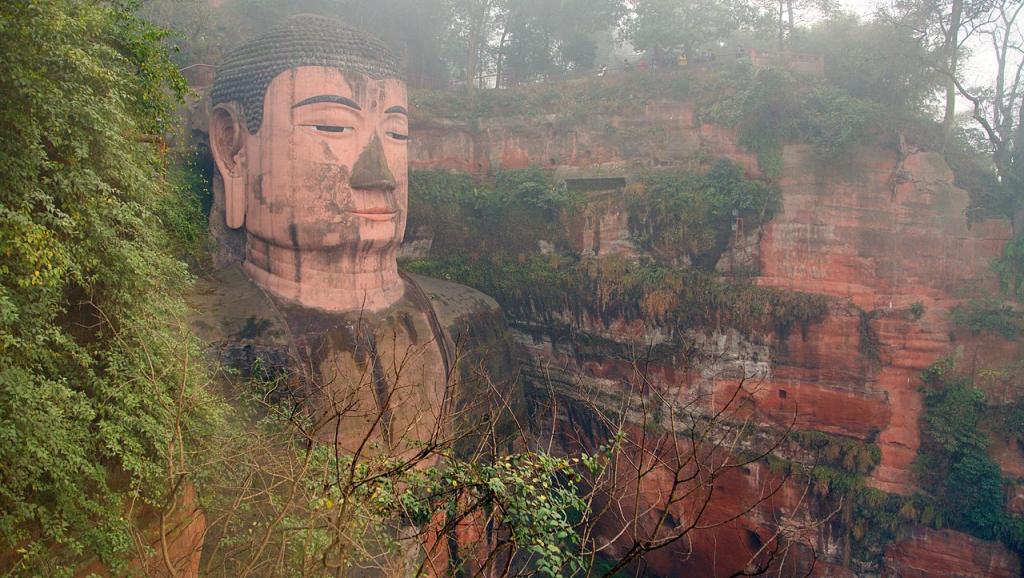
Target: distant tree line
[[910, 58]]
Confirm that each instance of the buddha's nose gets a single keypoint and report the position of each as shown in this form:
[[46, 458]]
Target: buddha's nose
[[371, 169]]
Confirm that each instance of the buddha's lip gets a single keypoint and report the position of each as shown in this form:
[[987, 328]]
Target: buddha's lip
[[375, 214]]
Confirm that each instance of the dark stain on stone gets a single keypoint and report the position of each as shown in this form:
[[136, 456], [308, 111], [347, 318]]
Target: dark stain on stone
[[253, 328], [328, 153], [328, 180], [257, 189], [410, 327], [293, 234], [371, 170], [381, 391]]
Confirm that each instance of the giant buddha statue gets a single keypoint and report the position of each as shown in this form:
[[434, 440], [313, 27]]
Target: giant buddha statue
[[309, 134]]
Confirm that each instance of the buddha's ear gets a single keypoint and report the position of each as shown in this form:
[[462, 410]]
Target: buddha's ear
[[227, 140]]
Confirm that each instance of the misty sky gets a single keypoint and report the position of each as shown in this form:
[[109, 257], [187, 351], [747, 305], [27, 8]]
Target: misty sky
[[981, 66]]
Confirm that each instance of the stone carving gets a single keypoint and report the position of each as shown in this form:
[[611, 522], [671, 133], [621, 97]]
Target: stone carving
[[309, 134]]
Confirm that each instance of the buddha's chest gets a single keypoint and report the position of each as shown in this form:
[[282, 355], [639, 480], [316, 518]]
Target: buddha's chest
[[379, 377]]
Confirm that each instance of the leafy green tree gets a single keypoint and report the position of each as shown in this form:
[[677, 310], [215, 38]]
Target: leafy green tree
[[944, 27], [543, 37], [874, 61], [659, 26], [92, 380], [953, 462]]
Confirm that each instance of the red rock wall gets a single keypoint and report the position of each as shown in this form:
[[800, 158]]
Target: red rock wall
[[948, 554], [883, 232], [879, 230], [661, 133]]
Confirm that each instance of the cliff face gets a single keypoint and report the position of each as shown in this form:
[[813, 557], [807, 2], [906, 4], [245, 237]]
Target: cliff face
[[884, 232]]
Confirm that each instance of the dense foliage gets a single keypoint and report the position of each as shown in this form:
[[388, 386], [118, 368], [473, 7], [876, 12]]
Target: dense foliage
[[771, 107], [93, 356], [692, 215], [673, 213], [486, 235], [953, 463], [508, 213], [550, 287], [977, 315], [307, 508], [662, 27], [875, 61]]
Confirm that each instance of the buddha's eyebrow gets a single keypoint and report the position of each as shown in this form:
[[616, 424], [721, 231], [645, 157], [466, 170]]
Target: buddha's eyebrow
[[332, 98], [397, 110]]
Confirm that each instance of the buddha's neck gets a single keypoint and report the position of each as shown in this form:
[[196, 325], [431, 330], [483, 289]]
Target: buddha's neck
[[332, 280]]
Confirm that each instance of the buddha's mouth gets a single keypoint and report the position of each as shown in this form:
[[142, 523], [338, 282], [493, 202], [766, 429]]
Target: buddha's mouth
[[381, 214]]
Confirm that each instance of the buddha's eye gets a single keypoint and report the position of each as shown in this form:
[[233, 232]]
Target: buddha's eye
[[333, 128], [397, 135]]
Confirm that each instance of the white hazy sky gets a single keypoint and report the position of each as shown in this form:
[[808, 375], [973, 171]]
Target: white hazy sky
[[980, 69]]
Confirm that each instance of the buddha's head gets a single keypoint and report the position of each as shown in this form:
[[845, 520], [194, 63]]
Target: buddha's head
[[309, 134]]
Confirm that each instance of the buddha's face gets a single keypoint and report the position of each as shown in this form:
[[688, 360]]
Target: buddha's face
[[328, 167]]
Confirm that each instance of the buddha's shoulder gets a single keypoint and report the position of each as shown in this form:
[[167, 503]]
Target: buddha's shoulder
[[456, 305], [476, 325], [228, 307]]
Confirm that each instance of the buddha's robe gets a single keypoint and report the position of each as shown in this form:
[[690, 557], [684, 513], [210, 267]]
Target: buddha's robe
[[437, 363]]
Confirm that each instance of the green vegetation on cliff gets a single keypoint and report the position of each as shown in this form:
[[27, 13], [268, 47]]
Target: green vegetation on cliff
[[507, 214], [864, 520], [550, 287], [674, 213], [574, 100], [953, 463], [990, 315], [486, 235], [1010, 268], [772, 107], [96, 391]]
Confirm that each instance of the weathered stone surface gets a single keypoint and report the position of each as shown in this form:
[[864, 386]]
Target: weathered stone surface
[[948, 554], [885, 233], [879, 231], [663, 132], [309, 135]]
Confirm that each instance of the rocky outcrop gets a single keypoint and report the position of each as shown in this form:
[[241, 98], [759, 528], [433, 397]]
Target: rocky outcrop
[[660, 133], [884, 232], [948, 554]]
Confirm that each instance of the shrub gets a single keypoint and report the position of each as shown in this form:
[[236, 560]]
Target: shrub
[[508, 213], [92, 344], [550, 287], [1010, 268], [692, 214], [979, 315], [771, 107], [953, 462]]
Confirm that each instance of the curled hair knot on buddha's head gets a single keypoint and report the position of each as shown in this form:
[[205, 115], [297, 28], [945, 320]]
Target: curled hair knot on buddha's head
[[304, 40]]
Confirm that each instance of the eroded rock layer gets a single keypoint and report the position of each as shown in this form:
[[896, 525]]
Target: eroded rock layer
[[884, 232]]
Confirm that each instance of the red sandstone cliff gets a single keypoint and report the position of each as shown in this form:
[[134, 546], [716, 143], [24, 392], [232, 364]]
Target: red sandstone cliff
[[880, 231]]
